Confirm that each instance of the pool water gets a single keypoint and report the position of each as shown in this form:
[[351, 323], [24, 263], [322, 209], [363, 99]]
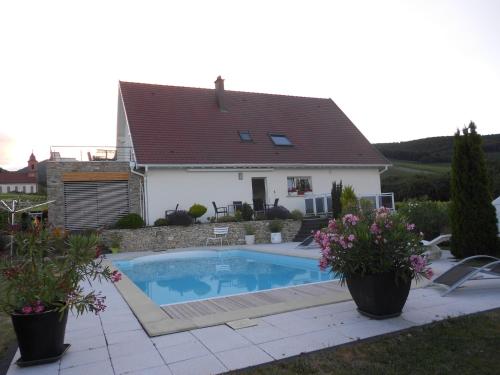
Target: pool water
[[195, 275]]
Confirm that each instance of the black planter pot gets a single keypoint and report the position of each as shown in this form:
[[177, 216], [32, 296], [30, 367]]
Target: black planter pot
[[40, 336], [378, 296]]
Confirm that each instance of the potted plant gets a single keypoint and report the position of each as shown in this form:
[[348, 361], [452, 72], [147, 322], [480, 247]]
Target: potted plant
[[42, 281], [378, 254], [275, 227], [249, 234]]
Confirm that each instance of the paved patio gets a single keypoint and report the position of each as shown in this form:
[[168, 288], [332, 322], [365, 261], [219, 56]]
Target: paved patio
[[115, 343]]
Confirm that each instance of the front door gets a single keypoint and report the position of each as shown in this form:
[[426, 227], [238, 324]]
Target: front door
[[259, 193]]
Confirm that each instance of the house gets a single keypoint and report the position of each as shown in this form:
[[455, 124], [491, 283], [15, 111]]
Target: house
[[21, 182], [193, 145]]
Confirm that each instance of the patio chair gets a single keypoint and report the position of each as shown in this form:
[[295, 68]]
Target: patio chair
[[275, 204], [168, 212], [220, 234], [219, 210], [463, 271]]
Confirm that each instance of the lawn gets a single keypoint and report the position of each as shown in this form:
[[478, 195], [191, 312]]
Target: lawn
[[410, 168], [466, 345]]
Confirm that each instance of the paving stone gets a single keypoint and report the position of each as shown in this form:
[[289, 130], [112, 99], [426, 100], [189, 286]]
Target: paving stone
[[220, 338], [197, 366]]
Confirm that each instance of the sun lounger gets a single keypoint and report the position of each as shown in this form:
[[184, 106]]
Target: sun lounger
[[308, 242], [463, 271]]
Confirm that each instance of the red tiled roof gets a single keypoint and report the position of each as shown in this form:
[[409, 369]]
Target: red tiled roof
[[183, 125], [16, 178]]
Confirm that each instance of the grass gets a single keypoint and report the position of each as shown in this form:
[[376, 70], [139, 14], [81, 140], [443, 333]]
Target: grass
[[465, 345], [409, 167]]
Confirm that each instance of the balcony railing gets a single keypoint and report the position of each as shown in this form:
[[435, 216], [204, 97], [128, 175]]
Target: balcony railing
[[91, 153], [321, 204]]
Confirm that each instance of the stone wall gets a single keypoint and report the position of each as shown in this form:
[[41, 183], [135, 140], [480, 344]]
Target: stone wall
[[170, 237], [55, 184]]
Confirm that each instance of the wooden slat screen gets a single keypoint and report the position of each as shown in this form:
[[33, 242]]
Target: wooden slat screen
[[92, 205]]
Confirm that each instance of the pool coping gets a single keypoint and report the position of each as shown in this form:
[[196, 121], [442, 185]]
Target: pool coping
[[156, 321]]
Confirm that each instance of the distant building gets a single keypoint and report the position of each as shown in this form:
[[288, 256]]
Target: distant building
[[22, 182]]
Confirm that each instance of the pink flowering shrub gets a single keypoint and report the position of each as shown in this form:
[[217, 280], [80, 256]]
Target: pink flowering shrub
[[370, 243], [43, 275]]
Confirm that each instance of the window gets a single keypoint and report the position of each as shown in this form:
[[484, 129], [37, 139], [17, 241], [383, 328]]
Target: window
[[245, 136], [280, 140], [24, 189], [32, 189], [299, 185], [1, 190]]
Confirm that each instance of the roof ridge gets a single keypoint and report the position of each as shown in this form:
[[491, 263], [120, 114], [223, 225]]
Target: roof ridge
[[236, 91]]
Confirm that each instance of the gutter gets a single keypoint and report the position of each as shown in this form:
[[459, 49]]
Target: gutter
[[247, 167]]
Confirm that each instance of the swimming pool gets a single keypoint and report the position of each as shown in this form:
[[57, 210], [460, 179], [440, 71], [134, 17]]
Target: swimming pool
[[195, 275]]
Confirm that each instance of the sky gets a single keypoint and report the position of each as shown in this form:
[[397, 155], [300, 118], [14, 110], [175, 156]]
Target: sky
[[400, 70]]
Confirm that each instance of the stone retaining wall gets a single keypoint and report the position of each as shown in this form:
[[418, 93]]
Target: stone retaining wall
[[170, 237]]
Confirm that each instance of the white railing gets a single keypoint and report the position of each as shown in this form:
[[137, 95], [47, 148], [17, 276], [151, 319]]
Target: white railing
[[91, 153], [321, 204]]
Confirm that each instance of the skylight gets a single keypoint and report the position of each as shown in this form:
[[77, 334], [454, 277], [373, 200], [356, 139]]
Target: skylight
[[280, 140], [245, 136]]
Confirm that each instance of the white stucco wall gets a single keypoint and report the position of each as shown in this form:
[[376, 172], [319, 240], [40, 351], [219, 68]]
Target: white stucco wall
[[167, 187], [4, 188]]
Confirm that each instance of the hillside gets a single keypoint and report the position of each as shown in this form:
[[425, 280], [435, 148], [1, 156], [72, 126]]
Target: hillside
[[421, 168], [435, 149]]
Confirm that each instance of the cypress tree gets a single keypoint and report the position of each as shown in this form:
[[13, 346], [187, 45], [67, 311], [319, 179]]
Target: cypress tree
[[472, 216], [336, 203]]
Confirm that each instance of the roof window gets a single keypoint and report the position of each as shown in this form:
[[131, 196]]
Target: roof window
[[280, 140], [245, 136]]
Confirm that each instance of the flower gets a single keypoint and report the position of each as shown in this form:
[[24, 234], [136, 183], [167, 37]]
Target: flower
[[27, 309], [371, 243], [116, 276], [47, 272]]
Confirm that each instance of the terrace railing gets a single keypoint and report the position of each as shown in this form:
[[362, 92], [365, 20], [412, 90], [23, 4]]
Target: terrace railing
[[321, 204], [91, 153]]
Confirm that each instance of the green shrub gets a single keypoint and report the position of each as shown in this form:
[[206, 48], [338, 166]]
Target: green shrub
[[130, 221], [161, 222], [296, 215], [226, 219], [246, 212], [180, 217], [238, 216], [278, 212], [430, 217], [249, 229], [197, 210], [275, 226]]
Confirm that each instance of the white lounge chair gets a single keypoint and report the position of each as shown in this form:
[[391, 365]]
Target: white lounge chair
[[220, 234], [463, 271], [433, 251]]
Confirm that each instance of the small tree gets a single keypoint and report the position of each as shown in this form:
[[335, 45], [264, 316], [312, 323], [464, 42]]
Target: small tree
[[197, 210], [472, 216], [348, 200], [336, 203]]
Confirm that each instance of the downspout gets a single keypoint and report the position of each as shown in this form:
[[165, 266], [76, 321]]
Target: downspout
[[383, 170], [143, 194]]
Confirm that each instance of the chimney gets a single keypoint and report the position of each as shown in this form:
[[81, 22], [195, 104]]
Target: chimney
[[219, 94]]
